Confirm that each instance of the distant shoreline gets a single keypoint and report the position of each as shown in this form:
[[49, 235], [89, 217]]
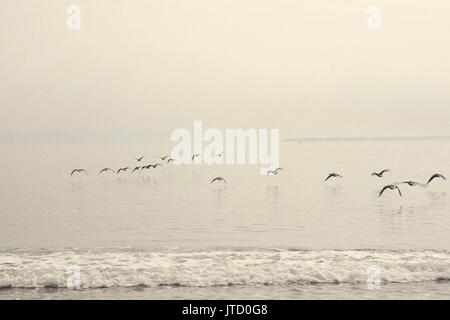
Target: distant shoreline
[[367, 139], [57, 139]]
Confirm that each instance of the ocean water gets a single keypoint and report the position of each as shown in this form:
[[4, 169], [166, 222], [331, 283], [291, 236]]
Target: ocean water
[[167, 233]]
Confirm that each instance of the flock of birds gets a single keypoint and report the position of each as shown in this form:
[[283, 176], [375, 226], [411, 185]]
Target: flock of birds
[[276, 171], [145, 167], [395, 185]]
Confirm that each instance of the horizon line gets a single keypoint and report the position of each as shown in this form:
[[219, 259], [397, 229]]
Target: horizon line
[[364, 138]]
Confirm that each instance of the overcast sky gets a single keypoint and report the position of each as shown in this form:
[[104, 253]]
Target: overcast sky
[[310, 68]]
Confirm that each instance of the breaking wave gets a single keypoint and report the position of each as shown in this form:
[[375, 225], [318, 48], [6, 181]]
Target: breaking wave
[[26, 268]]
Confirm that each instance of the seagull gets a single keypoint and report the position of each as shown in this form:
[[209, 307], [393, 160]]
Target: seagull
[[155, 165], [218, 179], [78, 171], [411, 183], [274, 172], [379, 175], [106, 170], [392, 187], [170, 159], [436, 175], [333, 175], [414, 183], [163, 158], [139, 159], [123, 169], [195, 155], [136, 168]]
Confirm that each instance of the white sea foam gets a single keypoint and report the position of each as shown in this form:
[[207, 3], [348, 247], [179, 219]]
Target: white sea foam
[[202, 268]]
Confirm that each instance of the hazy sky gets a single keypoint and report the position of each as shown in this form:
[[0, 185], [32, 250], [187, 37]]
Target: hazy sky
[[310, 68]]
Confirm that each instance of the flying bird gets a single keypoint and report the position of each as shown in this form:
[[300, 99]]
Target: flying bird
[[414, 183], [155, 165], [274, 172], [392, 187], [78, 171], [411, 183], [123, 169], [106, 170], [170, 159], [195, 155], [436, 175], [218, 179], [380, 174], [163, 158], [135, 169], [333, 175], [139, 159]]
